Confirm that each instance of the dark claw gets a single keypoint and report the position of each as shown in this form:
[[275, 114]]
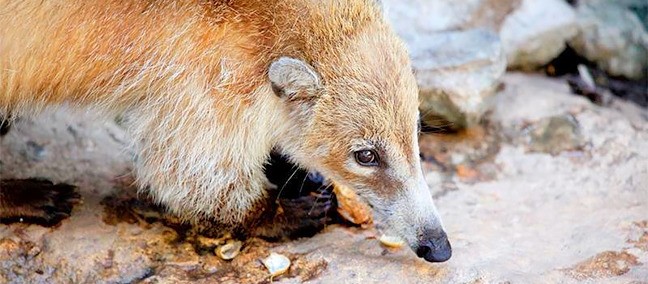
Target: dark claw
[[36, 201], [299, 217]]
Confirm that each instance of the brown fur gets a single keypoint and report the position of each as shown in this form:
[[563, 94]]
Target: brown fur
[[192, 78]]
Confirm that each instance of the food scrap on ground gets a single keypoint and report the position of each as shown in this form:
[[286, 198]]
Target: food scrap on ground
[[351, 207]]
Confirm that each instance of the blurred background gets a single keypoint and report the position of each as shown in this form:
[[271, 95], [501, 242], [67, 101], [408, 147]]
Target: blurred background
[[462, 48]]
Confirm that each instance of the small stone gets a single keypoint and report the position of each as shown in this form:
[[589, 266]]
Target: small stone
[[555, 134], [229, 250], [276, 264], [35, 151]]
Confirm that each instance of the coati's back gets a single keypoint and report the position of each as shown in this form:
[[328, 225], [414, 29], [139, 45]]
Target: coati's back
[[113, 53]]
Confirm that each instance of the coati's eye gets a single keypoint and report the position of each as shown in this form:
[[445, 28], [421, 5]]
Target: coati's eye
[[366, 158]]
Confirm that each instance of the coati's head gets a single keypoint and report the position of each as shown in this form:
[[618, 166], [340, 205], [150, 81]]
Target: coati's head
[[355, 110]]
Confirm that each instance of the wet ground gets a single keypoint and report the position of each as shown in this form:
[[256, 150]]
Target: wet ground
[[552, 189]]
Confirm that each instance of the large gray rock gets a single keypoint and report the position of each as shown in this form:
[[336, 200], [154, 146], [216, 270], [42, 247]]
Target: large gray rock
[[533, 32], [457, 67], [612, 36], [412, 18], [537, 32], [457, 73]]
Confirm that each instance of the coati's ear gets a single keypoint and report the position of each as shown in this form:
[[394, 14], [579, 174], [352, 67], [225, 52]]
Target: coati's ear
[[293, 79]]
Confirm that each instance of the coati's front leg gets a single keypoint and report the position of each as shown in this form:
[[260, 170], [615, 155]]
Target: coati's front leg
[[303, 216], [300, 203], [35, 201], [271, 215]]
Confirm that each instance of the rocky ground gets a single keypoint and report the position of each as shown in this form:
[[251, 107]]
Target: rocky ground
[[551, 188]]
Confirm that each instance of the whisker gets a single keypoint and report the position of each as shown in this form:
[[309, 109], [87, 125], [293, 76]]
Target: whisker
[[302, 185], [319, 196], [286, 183]]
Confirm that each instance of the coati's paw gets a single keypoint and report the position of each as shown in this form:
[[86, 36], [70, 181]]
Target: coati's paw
[[299, 217], [308, 212], [36, 201]]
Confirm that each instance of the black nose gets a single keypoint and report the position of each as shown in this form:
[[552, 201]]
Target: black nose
[[435, 247]]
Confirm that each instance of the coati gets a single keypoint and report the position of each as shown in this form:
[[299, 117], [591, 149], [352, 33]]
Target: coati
[[208, 88]]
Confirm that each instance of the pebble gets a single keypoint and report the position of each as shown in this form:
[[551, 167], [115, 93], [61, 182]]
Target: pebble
[[276, 264]]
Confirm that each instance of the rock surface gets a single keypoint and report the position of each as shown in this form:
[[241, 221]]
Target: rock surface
[[457, 53], [460, 48], [457, 73], [613, 37], [537, 32], [532, 32], [555, 134], [414, 18], [514, 213], [457, 67]]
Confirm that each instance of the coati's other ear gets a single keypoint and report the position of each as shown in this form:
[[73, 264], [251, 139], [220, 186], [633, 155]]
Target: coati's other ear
[[293, 79]]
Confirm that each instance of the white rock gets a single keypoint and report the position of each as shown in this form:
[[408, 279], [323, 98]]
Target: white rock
[[412, 18], [457, 73], [532, 31], [537, 32], [276, 264], [612, 36], [457, 67]]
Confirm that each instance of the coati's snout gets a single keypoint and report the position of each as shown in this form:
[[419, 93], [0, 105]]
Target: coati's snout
[[431, 242], [413, 216], [434, 246]]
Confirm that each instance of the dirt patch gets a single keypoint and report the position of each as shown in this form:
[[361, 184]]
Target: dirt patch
[[189, 250], [245, 268], [467, 154], [639, 235], [605, 264], [305, 269], [554, 135]]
